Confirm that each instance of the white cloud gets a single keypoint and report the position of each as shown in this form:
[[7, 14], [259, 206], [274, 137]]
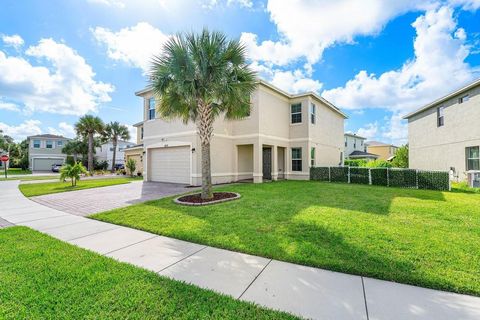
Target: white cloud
[[133, 132], [241, 3], [8, 106], [109, 3], [306, 28], [370, 131], [134, 45], [396, 129], [13, 41], [60, 82], [64, 129], [21, 131], [437, 68]]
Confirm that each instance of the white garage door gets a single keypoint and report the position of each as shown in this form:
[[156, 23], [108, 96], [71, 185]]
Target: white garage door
[[40, 164], [170, 164]]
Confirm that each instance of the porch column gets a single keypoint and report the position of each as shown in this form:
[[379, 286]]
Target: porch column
[[257, 162], [235, 163], [274, 163]]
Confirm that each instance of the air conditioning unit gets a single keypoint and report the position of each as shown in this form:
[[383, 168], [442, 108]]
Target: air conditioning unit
[[474, 178]]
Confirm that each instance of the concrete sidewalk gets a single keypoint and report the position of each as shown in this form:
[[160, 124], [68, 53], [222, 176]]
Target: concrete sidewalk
[[304, 291]]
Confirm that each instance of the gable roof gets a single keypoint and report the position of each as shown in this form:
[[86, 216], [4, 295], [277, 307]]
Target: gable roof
[[354, 135], [280, 91], [47, 136], [362, 154], [444, 98], [374, 143]]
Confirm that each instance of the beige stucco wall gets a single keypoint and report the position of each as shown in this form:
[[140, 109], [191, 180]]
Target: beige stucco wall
[[268, 125], [137, 155], [440, 148]]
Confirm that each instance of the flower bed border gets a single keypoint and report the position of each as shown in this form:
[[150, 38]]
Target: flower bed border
[[177, 201]]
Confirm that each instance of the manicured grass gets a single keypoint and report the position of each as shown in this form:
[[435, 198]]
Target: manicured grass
[[44, 278], [38, 189], [420, 237], [29, 178], [16, 171]]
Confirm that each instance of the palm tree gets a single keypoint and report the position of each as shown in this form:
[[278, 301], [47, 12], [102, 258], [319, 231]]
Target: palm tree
[[87, 126], [75, 147], [113, 132], [196, 78]]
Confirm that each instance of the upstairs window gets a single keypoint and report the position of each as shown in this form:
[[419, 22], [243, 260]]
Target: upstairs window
[[296, 159], [59, 143], [49, 144], [463, 99], [354, 143], [345, 142], [296, 111], [36, 144], [151, 108], [473, 158], [440, 119], [313, 113], [141, 133], [312, 157]]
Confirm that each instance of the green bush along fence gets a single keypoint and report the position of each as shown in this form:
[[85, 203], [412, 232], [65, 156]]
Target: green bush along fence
[[389, 177]]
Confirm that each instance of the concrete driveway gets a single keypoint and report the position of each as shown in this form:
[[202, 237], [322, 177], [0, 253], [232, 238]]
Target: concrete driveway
[[89, 201]]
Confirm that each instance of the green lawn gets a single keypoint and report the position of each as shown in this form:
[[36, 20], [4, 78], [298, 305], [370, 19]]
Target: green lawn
[[13, 171], [28, 178], [44, 278], [38, 189], [420, 237]]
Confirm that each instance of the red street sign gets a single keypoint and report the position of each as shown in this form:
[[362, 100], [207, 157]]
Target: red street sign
[[4, 158]]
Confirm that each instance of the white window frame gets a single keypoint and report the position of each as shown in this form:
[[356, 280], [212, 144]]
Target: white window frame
[[468, 159], [464, 98], [313, 151], [313, 113], [150, 109], [46, 144], [60, 144], [297, 159], [295, 113], [441, 116], [39, 144]]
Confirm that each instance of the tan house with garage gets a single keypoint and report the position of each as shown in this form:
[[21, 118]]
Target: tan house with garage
[[282, 137], [45, 150], [445, 134], [385, 151]]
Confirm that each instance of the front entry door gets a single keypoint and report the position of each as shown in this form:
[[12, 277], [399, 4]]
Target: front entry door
[[267, 163]]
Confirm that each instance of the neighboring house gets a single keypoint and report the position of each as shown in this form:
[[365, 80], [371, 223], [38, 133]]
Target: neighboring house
[[384, 151], [105, 152], [44, 150], [136, 151], [445, 134], [283, 136], [355, 148]]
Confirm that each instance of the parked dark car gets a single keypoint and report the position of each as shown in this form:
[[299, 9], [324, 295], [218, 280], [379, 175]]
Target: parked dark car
[[118, 166], [56, 167]]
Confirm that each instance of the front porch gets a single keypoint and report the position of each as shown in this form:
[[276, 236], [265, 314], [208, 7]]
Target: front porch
[[260, 162]]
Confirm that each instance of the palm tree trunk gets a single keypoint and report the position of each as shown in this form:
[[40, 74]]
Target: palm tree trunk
[[206, 172], [90, 152], [205, 129], [114, 142]]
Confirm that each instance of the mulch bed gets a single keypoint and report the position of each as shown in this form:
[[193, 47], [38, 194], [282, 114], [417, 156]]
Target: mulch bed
[[195, 199]]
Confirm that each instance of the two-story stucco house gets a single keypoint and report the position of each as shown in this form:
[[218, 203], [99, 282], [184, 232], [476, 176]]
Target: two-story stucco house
[[445, 134], [105, 152], [282, 137], [355, 148], [385, 151], [44, 150]]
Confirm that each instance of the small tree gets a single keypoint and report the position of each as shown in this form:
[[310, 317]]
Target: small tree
[[131, 166], [72, 172], [87, 126], [401, 157], [115, 131]]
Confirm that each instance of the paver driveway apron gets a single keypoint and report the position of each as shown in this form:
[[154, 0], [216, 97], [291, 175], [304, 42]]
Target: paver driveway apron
[[304, 291], [89, 201]]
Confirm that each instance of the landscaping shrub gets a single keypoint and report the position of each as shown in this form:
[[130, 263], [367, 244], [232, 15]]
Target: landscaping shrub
[[379, 176], [403, 178], [339, 174], [319, 174], [433, 180], [356, 162], [378, 164], [359, 175]]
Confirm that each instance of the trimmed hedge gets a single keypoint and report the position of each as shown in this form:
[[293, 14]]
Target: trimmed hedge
[[320, 174], [390, 177], [339, 174], [359, 175]]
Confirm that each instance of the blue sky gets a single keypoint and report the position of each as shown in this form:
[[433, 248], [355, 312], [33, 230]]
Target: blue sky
[[377, 60]]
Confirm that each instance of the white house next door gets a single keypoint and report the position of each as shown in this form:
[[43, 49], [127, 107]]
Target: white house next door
[[170, 164]]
